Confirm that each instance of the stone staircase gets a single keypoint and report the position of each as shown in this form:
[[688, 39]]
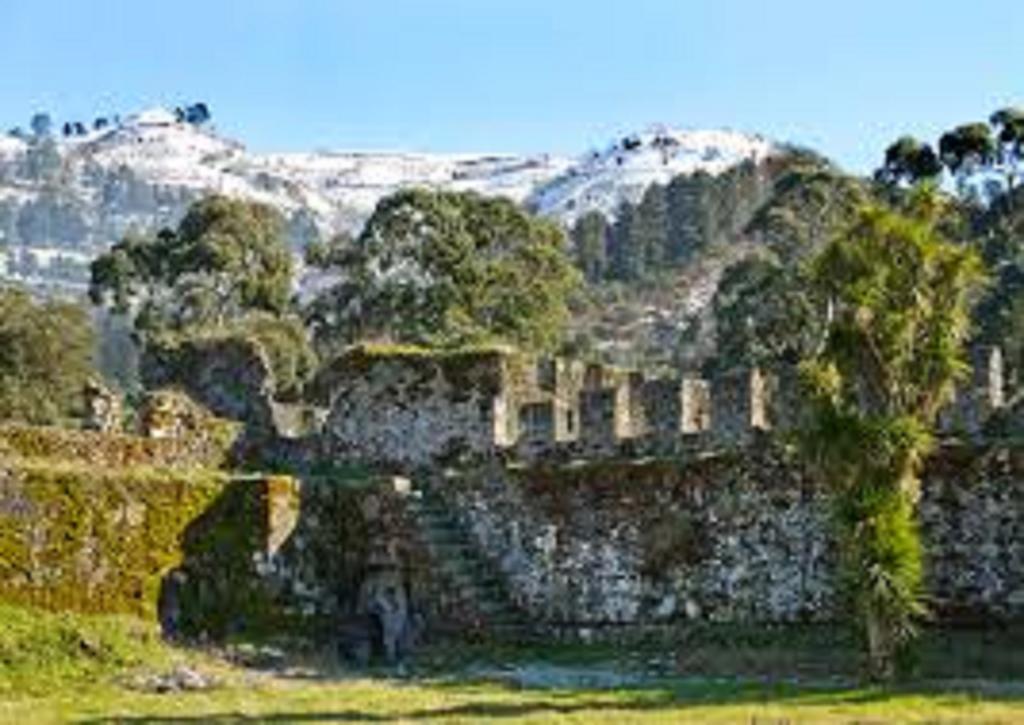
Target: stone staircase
[[475, 582]]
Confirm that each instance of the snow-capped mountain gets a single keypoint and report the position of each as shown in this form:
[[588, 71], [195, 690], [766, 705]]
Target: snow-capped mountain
[[602, 180], [69, 197]]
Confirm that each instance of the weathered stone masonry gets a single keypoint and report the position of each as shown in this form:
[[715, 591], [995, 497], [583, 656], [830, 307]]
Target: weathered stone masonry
[[594, 497], [604, 497], [417, 408], [728, 538]]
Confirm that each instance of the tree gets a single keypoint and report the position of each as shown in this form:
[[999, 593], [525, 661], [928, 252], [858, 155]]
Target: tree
[[909, 160], [46, 357], [624, 263], [966, 148], [1009, 124], [449, 269], [688, 208], [648, 235], [766, 314], [899, 297], [590, 243], [197, 114], [42, 125], [227, 258], [810, 203]]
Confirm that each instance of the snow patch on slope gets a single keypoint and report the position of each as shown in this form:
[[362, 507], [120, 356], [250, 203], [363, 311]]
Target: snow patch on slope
[[603, 180], [146, 169]]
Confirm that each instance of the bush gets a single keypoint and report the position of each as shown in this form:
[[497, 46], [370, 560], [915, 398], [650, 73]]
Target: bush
[[46, 357]]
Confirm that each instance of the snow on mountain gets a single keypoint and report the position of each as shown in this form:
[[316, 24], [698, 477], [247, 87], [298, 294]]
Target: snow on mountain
[[144, 171], [623, 172]]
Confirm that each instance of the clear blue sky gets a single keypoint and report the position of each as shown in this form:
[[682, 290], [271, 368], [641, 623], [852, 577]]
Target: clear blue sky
[[520, 75]]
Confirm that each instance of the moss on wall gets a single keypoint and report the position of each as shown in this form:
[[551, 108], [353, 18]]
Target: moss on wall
[[106, 450], [227, 550], [98, 540], [77, 537]]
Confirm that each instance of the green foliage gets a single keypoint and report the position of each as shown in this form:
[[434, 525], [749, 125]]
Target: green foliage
[[766, 314], [909, 160], [46, 357], [901, 296], [811, 202], [648, 235], [967, 147], [45, 651], [590, 243], [766, 309], [449, 269], [111, 534], [671, 224], [900, 310], [286, 343], [283, 339], [326, 255], [226, 258]]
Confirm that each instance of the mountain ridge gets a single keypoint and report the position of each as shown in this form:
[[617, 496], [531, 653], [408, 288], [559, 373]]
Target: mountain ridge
[[70, 197]]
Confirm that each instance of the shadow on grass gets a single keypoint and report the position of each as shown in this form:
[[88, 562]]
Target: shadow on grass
[[958, 669], [673, 699]]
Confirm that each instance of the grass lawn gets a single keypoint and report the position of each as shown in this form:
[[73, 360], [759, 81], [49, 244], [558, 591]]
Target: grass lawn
[[363, 700], [69, 668]]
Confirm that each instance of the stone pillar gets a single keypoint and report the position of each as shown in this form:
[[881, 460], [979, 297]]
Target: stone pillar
[[568, 383], [979, 396], [637, 424], [695, 395], [740, 401]]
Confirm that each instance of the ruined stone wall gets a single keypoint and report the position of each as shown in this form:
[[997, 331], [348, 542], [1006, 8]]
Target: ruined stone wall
[[417, 408], [740, 536], [231, 376], [81, 537], [723, 539], [206, 448], [728, 538], [411, 408]]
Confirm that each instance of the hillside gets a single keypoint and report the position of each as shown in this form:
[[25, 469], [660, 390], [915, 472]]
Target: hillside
[[67, 197]]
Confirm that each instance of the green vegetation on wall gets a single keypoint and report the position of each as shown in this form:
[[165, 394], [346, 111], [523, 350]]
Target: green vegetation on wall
[[210, 450], [899, 293], [77, 537]]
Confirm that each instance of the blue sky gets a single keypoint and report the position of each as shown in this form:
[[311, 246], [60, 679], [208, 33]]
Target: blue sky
[[520, 75]]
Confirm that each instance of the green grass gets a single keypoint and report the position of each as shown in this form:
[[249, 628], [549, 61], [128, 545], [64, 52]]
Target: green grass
[[73, 668], [363, 700], [41, 651]]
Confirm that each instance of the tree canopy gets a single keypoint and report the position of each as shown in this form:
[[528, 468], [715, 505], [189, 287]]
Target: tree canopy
[[909, 160], [46, 357], [226, 258], [448, 269]]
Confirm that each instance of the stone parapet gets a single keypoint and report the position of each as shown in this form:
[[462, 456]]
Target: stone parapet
[[416, 408]]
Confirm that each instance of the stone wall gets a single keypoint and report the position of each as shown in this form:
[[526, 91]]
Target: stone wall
[[415, 408], [410, 408], [231, 376], [207, 448], [722, 538], [77, 536], [738, 536], [215, 555], [728, 538]]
